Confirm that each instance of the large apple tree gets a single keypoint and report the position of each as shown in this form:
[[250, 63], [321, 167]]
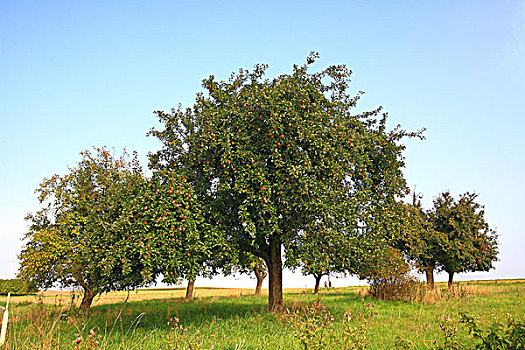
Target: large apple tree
[[268, 157]]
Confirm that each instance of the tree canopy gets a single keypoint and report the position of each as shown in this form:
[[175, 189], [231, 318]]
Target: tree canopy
[[470, 244], [269, 157], [65, 243], [417, 237]]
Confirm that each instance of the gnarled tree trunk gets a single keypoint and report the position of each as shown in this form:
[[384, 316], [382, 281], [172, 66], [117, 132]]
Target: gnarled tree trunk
[[261, 274], [189, 289], [87, 299]]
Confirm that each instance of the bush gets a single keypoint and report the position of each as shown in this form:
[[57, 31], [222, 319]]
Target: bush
[[16, 287], [389, 278]]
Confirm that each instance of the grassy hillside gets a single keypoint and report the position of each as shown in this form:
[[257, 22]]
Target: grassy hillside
[[234, 319]]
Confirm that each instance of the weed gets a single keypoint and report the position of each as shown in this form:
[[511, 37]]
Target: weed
[[90, 343], [179, 337], [450, 330], [355, 337], [499, 335], [312, 325], [402, 343]]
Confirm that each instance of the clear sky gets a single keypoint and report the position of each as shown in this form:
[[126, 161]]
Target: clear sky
[[77, 74]]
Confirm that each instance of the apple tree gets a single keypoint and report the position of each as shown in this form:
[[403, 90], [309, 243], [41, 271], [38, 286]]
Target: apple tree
[[417, 238], [269, 157], [469, 243], [65, 244], [167, 230], [321, 252]]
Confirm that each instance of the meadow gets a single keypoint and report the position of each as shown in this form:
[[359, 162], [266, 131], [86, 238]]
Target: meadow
[[235, 319]]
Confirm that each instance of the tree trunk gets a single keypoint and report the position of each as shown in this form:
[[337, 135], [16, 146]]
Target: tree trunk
[[429, 271], [317, 282], [260, 273], [275, 270], [189, 290], [258, 288], [89, 295], [450, 276]]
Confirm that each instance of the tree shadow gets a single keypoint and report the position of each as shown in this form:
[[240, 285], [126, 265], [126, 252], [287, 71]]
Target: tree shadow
[[155, 314]]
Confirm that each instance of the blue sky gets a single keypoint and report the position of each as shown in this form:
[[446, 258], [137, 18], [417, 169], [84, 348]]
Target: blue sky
[[90, 73]]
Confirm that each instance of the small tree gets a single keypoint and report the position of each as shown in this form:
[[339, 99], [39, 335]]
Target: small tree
[[320, 252], [470, 244], [418, 239], [66, 237]]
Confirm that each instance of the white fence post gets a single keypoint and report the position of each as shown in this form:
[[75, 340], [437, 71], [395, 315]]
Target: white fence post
[[4, 321]]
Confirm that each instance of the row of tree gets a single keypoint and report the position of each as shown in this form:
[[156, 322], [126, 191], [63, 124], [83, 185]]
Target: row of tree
[[453, 236], [278, 171]]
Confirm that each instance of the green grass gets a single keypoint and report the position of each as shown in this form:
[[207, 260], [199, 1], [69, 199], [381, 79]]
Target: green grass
[[243, 323]]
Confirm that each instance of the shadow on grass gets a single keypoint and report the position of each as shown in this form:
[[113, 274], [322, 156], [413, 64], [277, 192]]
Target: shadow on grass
[[153, 314]]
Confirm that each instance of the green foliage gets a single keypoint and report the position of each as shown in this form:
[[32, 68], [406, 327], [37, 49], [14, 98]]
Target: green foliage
[[65, 244], [453, 236], [389, 276], [162, 228], [509, 335], [269, 157], [321, 252], [418, 239], [470, 245], [16, 287]]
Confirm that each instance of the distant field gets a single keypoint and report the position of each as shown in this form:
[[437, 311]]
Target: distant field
[[235, 319], [65, 297]]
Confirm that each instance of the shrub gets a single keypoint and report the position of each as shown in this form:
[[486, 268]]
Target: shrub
[[390, 279], [16, 287]]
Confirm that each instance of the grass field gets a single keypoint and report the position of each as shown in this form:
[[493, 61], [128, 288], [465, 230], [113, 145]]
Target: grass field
[[235, 319]]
